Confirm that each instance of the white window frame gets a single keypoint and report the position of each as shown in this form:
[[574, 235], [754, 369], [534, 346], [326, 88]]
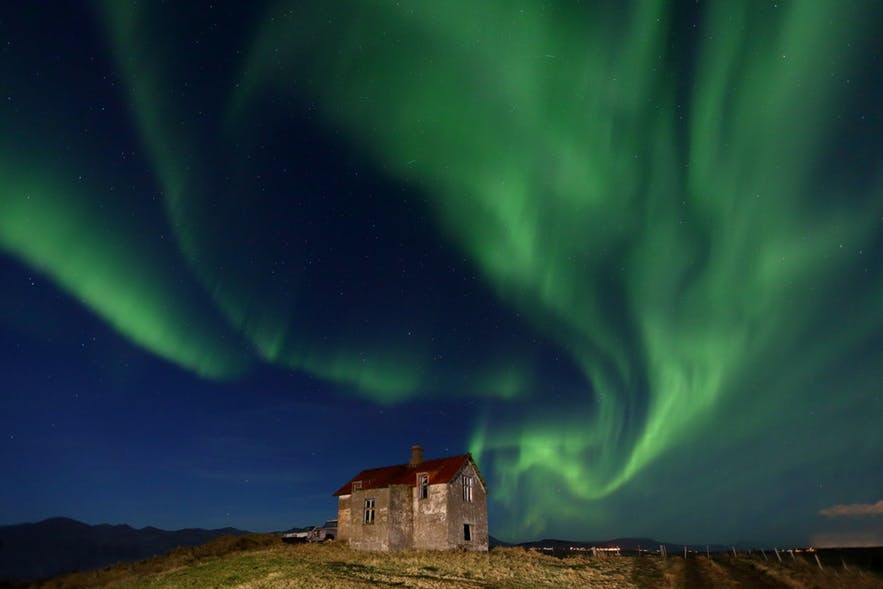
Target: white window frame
[[468, 484]]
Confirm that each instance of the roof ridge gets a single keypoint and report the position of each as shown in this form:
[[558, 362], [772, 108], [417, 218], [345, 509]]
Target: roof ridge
[[441, 470]]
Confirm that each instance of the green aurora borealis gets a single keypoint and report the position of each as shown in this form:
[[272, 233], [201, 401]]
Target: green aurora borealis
[[690, 218]]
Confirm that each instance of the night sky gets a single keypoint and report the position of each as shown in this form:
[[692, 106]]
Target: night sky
[[629, 255]]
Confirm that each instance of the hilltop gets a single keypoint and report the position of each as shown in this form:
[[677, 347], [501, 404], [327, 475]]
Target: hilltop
[[261, 561]]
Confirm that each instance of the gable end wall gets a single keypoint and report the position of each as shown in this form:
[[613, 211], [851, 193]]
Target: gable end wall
[[467, 512]]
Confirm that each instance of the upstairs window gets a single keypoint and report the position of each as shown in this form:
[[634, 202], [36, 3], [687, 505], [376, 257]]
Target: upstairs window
[[370, 504], [467, 488], [423, 485], [357, 485]]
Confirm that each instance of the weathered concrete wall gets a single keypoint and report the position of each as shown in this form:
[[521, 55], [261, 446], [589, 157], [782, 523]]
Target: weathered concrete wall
[[374, 536], [344, 525], [430, 515], [401, 518], [462, 512]]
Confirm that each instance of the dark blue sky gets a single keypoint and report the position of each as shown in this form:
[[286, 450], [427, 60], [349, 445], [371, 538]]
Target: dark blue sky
[[628, 255]]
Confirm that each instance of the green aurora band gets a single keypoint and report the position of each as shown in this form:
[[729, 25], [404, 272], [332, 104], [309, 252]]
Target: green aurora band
[[666, 258], [79, 242], [670, 232], [383, 370]]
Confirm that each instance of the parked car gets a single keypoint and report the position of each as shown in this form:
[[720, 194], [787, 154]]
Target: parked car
[[327, 531], [295, 537]]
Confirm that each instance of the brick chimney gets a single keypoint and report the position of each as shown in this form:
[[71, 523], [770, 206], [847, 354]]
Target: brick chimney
[[416, 456]]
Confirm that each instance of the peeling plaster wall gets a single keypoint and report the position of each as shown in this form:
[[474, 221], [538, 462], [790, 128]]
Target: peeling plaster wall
[[430, 515], [344, 525], [401, 517], [369, 536]]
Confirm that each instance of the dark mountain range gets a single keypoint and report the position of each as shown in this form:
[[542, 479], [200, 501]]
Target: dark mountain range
[[60, 545], [494, 542]]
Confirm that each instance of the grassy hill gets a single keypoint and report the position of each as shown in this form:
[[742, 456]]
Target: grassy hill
[[262, 561]]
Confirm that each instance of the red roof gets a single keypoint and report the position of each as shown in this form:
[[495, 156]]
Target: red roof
[[440, 470]]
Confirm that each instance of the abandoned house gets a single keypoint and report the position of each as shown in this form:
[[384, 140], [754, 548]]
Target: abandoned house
[[424, 505]]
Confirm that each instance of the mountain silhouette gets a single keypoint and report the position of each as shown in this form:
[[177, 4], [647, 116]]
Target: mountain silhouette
[[62, 545]]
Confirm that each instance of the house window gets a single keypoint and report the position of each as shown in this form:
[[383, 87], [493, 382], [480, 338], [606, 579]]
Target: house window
[[423, 485], [467, 532], [467, 488], [369, 510], [357, 485]]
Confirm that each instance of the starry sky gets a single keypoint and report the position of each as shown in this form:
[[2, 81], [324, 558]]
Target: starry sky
[[628, 254]]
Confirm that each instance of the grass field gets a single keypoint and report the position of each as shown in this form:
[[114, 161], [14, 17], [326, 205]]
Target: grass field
[[262, 561]]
